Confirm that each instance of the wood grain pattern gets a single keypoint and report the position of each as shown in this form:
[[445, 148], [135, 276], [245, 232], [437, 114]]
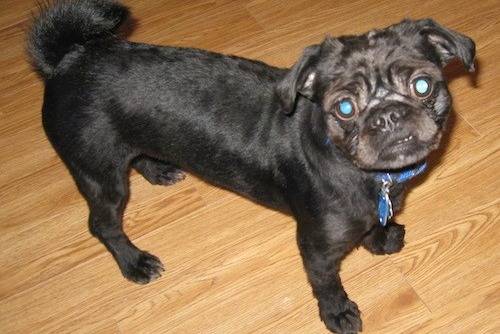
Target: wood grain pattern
[[232, 266]]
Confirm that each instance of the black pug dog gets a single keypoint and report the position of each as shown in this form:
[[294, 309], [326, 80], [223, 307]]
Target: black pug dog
[[330, 140]]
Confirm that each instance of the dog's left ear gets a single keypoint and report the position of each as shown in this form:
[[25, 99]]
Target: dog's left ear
[[449, 44], [299, 79]]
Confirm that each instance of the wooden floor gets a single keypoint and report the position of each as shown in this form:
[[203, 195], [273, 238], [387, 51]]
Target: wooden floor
[[233, 266]]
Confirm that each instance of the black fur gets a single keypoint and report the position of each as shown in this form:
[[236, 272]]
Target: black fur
[[267, 133], [56, 32]]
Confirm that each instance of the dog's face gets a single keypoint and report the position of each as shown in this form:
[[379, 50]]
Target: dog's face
[[383, 96]]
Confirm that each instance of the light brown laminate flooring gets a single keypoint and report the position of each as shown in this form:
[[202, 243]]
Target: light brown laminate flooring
[[232, 265]]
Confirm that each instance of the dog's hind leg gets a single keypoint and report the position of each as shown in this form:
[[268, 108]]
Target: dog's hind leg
[[106, 192], [157, 172]]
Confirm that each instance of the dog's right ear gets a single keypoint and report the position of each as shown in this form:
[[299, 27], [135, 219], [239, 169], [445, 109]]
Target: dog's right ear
[[299, 79]]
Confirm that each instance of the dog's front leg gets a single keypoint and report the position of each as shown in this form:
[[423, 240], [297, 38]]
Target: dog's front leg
[[322, 251]]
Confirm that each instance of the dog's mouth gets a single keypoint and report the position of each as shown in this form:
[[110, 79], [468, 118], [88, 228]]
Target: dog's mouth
[[403, 144], [402, 152], [399, 149], [405, 151]]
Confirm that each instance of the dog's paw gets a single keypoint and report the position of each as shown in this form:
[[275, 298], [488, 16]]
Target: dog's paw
[[168, 177], [395, 239], [341, 317], [157, 172], [143, 269], [385, 240]]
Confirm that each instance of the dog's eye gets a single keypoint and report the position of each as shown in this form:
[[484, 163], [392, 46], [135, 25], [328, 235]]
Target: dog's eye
[[422, 87], [345, 109]]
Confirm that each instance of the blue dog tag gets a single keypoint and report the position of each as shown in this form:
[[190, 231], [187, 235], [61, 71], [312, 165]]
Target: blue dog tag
[[385, 212], [384, 204]]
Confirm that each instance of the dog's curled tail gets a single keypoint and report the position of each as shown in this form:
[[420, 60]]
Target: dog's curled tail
[[61, 25]]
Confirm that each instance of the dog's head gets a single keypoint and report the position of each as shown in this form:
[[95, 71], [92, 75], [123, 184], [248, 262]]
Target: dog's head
[[383, 95]]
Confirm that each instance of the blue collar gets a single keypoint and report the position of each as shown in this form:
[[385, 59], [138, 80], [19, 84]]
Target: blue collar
[[387, 180], [402, 176]]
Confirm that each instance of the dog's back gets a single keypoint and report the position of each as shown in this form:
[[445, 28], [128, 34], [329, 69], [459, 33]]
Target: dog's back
[[108, 101]]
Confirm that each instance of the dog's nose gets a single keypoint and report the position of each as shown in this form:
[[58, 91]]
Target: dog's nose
[[386, 120]]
